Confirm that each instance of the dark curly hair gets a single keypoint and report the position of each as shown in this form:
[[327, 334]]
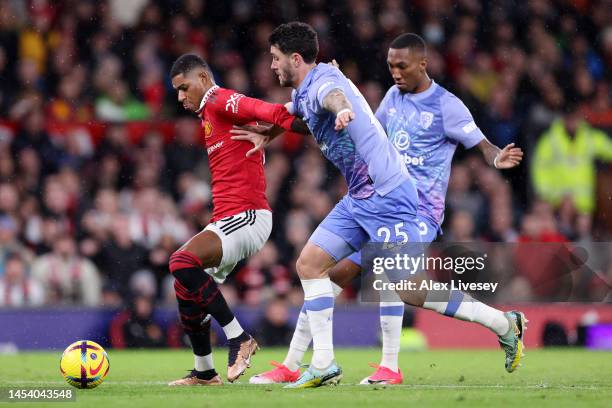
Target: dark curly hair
[[296, 37]]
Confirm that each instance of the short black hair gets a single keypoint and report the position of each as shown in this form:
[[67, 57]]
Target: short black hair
[[409, 40], [296, 37], [186, 63]]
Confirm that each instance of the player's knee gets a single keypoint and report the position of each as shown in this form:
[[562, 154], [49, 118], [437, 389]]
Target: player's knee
[[301, 266], [307, 268], [183, 259], [207, 246], [190, 281]]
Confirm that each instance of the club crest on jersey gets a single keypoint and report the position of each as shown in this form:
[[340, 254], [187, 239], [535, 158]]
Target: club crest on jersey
[[401, 140], [207, 129], [232, 102], [426, 119]]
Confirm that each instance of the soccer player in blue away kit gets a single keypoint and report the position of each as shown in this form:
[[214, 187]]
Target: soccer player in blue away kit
[[425, 123], [381, 194]]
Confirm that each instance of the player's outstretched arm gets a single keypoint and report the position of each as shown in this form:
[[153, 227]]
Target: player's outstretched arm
[[505, 158], [335, 102], [259, 136]]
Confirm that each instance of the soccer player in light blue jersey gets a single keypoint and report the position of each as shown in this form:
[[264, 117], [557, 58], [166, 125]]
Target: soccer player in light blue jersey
[[425, 123], [381, 194]]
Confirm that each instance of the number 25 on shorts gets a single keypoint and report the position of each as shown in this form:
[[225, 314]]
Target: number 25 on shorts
[[394, 237]]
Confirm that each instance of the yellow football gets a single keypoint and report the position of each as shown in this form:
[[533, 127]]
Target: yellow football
[[84, 364]]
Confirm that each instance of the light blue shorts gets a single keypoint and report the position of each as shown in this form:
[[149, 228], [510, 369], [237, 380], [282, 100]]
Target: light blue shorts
[[354, 222], [428, 230]]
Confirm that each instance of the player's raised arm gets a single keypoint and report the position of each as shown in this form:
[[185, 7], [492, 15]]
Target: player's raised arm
[[505, 158], [336, 102]]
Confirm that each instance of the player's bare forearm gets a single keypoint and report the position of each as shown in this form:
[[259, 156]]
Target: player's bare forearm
[[335, 101], [505, 158], [489, 151]]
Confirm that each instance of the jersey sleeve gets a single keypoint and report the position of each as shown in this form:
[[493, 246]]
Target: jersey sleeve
[[321, 88], [243, 109], [458, 122], [381, 112]]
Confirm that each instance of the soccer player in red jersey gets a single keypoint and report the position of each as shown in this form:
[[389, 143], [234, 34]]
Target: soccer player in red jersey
[[241, 221]]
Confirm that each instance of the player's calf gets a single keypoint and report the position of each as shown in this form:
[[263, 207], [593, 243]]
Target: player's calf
[[194, 285], [196, 324]]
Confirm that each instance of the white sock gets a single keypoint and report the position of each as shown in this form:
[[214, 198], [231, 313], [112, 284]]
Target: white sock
[[319, 304], [299, 342], [463, 307], [204, 363], [232, 329], [302, 337], [391, 317]]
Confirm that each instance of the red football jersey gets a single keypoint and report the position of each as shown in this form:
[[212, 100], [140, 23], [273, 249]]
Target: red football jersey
[[238, 182]]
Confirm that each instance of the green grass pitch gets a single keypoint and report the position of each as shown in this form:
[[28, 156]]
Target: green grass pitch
[[555, 378]]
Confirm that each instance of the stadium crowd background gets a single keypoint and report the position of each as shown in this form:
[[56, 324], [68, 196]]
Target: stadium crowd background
[[102, 176]]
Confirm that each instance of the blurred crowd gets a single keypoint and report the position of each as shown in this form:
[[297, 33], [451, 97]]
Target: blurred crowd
[[89, 212]]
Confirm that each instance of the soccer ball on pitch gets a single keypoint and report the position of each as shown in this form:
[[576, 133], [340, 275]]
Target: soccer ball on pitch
[[84, 364]]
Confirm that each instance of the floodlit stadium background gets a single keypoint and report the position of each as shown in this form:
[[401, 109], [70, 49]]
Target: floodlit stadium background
[[102, 176]]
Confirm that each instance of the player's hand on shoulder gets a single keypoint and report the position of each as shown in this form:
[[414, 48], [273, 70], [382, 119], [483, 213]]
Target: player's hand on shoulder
[[259, 140], [343, 118], [508, 157], [334, 63]]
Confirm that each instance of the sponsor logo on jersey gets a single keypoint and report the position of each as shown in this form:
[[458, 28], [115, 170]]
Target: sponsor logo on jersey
[[413, 160], [426, 119], [214, 147], [401, 140], [207, 129], [232, 102]]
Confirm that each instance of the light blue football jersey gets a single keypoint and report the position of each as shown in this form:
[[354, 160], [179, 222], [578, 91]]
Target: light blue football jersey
[[426, 128], [362, 151]]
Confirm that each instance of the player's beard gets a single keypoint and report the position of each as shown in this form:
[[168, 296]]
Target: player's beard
[[286, 77]]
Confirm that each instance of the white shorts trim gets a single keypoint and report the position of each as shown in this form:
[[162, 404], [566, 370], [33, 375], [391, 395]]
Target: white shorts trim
[[241, 235]]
